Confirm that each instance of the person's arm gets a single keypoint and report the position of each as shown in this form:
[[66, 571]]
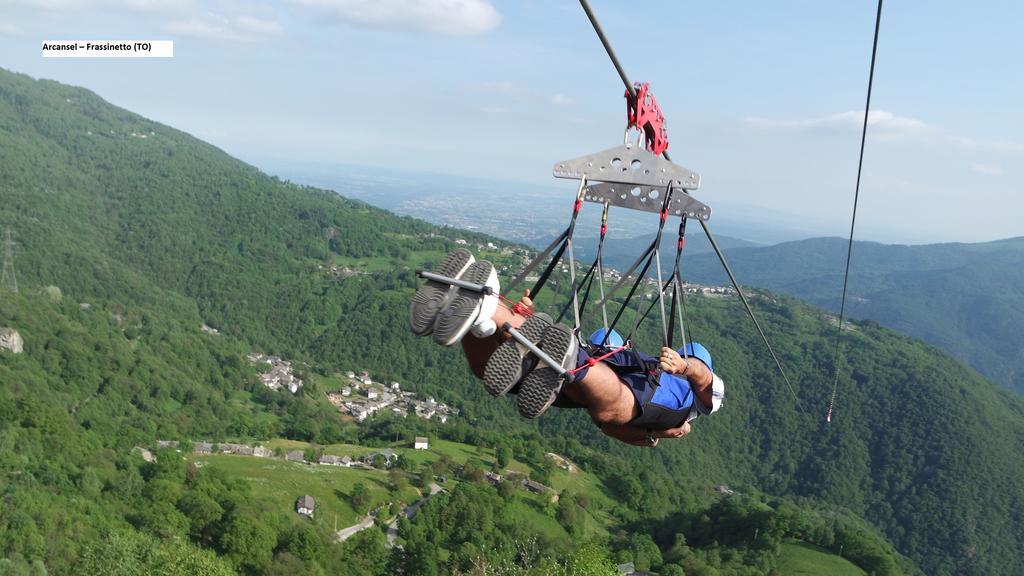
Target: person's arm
[[696, 373], [642, 436]]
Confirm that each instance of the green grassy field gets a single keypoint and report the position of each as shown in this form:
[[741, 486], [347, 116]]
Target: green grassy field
[[802, 559], [278, 483], [331, 383], [530, 510]]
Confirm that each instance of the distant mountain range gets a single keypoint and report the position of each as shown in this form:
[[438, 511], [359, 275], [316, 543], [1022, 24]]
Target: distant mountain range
[[967, 299], [519, 212]]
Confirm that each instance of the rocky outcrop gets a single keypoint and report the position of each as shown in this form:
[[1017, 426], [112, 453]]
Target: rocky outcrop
[[11, 340]]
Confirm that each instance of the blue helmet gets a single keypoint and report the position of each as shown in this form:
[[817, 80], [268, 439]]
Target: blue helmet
[[614, 338], [698, 351]]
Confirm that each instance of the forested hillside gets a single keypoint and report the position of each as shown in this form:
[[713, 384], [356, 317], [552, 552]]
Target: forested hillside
[[159, 233], [967, 299]]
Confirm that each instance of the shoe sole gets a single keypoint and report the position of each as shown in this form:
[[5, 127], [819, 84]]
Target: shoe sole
[[431, 297], [455, 319], [507, 364], [541, 387]]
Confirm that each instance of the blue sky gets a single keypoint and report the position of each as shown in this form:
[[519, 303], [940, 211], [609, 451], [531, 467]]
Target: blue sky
[[763, 99]]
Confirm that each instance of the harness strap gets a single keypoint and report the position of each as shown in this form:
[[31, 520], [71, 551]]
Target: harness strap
[[536, 261]]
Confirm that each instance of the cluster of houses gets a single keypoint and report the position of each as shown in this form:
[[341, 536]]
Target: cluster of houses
[[362, 398], [225, 448], [714, 291], [280, 375], [388, 456], [339, 272], [481, 247], [524, 483]]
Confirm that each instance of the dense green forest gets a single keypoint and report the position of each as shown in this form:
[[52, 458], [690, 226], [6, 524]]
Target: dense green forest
[[128, 244]]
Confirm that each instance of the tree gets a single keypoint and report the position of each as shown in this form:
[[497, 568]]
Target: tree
[[304, 541], [672, 570], [568, 514], [360, 498], [502, 455], [249, 541], [506, 489], [590, 560], [645, 552], [398, 480], [403, 463]]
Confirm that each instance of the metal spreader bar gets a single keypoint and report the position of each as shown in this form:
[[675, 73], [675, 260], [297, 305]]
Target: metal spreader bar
[[455, 282], [540, 354], [647, 199], [628, 165]]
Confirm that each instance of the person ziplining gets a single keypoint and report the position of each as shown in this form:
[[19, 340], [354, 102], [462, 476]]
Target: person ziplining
[[624, 393], [631, 396]]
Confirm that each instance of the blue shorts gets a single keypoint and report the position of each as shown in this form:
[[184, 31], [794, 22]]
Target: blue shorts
[[661, 406]]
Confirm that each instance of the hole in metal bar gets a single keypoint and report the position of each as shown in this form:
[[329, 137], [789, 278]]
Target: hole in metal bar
[[635, 165]]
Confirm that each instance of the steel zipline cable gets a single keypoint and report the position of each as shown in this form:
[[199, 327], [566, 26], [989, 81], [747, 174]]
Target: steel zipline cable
[[853, 220], [703, 224]]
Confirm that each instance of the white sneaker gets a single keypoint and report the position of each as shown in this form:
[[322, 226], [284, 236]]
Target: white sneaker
[[469, 308], [433, 296], [484, 326]]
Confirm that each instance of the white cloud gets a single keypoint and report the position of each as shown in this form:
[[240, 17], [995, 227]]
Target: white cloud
[[494, 110], [452, 17], [888, 125], [993, 145], [987, 169], [882, 121], [10, 30], [259, 26], [235, 29], [562, 100], [521, 93]]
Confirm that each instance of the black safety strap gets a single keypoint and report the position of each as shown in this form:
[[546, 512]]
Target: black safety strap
[[650, 254], [562, 242], [676, 286], [585, 283], [558, 242], [675, 282]]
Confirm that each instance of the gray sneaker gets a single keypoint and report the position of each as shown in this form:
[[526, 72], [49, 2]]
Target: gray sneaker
[[541, 387], [512, 361], [432, 296]]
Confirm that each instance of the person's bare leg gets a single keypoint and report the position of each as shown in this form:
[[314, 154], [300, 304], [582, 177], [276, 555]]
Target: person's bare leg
[[606, 398], [478, 350]]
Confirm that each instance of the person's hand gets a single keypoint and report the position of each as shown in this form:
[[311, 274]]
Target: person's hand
[[677, 432], [653, 436], [526, 301], [670, 361]]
